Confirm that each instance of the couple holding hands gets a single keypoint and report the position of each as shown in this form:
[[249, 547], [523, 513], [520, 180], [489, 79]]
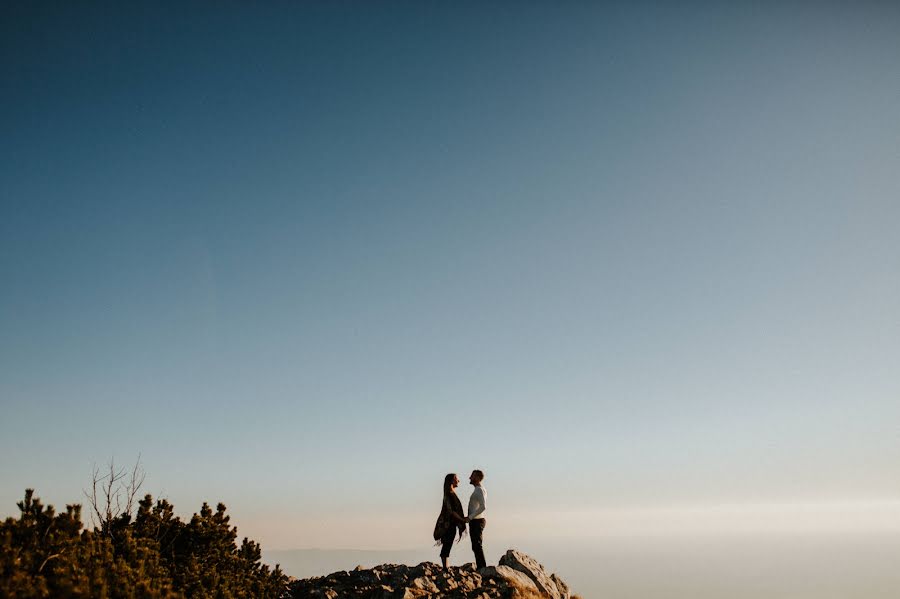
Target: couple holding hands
[[451, 518]]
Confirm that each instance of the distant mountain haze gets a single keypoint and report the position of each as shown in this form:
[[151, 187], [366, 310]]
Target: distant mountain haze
[[680, 567]]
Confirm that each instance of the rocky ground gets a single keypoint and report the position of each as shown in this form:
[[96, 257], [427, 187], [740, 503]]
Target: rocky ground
[[516, 576]]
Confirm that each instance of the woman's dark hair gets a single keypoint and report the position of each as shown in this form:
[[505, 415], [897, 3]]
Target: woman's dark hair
[[448, 482]]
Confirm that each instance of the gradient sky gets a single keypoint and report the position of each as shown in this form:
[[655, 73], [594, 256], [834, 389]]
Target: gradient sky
[[307, 258]]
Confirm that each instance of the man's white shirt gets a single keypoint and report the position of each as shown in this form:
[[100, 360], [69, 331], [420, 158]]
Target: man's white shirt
[[476, 503]]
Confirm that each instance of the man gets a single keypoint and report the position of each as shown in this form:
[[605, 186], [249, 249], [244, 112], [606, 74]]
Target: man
[[476, 517]]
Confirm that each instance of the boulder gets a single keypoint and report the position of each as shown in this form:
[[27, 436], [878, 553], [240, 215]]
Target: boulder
[[561, 586], [510, 577], [424, 584], [531, 568]]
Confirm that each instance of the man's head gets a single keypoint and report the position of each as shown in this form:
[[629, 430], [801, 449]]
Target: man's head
[[476, 477]]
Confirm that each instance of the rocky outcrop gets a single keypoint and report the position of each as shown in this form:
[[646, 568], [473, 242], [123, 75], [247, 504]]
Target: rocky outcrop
[[549, 585], [518, 576]]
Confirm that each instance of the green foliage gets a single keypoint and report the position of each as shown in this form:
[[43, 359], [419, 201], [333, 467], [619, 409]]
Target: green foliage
[[156, 555]]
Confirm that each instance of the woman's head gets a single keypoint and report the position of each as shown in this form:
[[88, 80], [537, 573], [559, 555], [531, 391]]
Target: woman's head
[[450, 482]]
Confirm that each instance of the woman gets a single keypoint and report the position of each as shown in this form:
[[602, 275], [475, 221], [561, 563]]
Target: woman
[[451, 518]]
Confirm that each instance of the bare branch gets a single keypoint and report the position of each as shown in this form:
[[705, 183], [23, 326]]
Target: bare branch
[[112, 495], [96, 516], [137, 480]]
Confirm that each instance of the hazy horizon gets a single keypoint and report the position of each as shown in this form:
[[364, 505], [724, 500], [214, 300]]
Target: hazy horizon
[[777, 567]]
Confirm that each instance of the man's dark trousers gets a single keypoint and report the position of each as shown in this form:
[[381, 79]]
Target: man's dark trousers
[[476, 529]]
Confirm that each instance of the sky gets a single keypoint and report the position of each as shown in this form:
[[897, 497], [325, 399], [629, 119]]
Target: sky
[[307, 258]]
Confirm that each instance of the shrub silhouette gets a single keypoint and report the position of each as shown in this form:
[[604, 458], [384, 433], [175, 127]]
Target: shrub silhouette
[[153, 555]]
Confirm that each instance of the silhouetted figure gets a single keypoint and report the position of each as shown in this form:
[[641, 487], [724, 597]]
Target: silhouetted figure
[[450, 519], [476, 518]]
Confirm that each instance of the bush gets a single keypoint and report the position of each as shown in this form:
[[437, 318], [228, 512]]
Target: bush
[[155, 555]]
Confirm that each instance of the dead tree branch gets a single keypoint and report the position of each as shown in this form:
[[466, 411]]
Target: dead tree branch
[[112, 494]]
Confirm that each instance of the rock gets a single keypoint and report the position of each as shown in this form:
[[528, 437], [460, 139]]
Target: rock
[[535, 571], [510, 577], [518, 575], [561, 586], [424, 584]]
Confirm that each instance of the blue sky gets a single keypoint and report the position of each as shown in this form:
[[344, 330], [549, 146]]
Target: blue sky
[[305, 259]]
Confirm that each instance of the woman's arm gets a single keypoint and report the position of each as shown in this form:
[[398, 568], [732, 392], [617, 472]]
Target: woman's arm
[[457, 517]]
